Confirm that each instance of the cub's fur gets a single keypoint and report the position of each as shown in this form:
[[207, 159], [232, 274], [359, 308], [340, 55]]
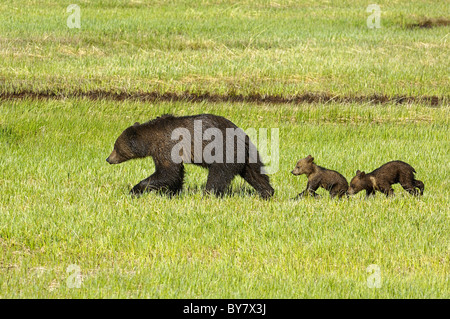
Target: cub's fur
[[318, 176], [383, 177]]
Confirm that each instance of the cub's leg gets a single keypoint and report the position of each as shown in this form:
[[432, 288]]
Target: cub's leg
[[311, 188], [419, 185], [386, 189], [370, 193]]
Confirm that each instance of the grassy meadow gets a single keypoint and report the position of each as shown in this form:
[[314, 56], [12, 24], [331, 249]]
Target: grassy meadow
[[61, 204], [232, 47]]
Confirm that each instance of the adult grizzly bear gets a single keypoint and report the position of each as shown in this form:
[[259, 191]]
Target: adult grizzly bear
[[206, 140]]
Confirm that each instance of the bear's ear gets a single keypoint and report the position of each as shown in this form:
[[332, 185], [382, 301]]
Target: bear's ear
[[309, 158], [362, 174], [131, 132], [136, 124]]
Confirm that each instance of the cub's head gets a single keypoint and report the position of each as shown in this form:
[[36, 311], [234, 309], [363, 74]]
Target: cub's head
[[358, 183], [304, 166], [127, 146]]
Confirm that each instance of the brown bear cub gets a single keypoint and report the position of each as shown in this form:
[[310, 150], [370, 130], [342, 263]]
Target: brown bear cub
[[383, 177], [207, 140], [318, 176]]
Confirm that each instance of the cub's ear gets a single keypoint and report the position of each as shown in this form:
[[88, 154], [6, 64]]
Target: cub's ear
[[136, 124], [309, 158], [362, 174], [358, 172]]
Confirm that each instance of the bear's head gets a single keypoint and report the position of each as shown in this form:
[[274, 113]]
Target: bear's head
[[127, 146], [304, 166], [358, 183]]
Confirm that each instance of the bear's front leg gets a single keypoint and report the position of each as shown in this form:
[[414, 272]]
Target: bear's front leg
[[313, 194], [370, 193], [312, 186], [146, 185], [300, 195], [307, 192], [170, 180], [387, 190]]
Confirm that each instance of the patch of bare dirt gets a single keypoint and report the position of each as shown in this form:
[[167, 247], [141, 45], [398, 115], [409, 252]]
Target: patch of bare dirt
[[216, 98], [430, 23]]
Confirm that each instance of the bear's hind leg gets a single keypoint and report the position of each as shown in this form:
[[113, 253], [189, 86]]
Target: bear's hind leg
[[260, 182], [337, 191], [410, 184], [409, 187], [419, 185]]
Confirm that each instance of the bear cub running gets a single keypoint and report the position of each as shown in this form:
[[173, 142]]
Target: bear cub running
[[318, 176], [383, 177]]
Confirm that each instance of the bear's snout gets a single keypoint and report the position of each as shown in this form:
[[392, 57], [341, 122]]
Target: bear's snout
[[113, 158]]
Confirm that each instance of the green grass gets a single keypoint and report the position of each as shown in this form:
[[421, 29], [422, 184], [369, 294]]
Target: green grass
[[276, 48], [62, 204]]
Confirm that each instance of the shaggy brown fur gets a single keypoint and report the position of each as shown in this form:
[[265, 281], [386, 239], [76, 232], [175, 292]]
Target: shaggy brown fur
[[155, 139], [383, 177], [318, 176]]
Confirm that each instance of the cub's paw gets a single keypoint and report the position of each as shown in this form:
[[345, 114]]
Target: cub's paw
[[299, 196]]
